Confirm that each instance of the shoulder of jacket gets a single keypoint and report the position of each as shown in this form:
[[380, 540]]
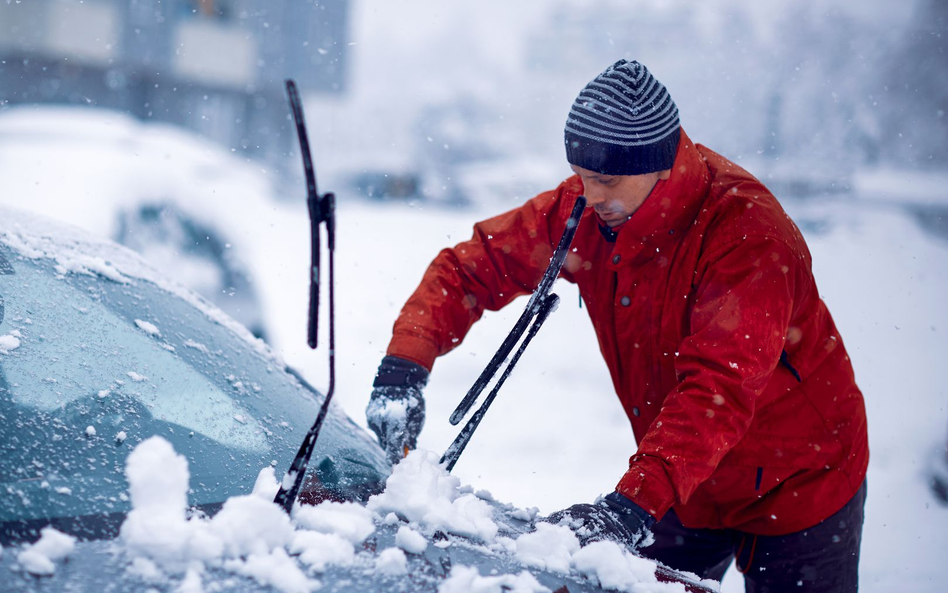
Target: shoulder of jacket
[[560, 198], [739, 206]]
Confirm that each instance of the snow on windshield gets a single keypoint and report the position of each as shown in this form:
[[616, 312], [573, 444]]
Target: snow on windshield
[[252, 537], [128, 363], [77, 252]]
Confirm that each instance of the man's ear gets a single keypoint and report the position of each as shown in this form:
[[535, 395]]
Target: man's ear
[[664, 174]]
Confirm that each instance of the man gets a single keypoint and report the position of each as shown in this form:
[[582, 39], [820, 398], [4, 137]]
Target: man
[[751, 430]]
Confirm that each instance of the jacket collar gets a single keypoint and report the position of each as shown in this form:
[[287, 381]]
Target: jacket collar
[[669, 210]]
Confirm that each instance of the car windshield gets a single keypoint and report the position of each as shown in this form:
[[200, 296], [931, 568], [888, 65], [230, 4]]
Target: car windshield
[[91, 367]]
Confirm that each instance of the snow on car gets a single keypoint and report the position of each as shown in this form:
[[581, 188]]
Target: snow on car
[[179, 200], [143, 429]]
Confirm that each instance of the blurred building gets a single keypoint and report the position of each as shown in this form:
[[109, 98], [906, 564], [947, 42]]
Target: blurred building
[[213, 66]]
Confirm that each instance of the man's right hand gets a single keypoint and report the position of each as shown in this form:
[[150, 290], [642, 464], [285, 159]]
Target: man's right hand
[[614, 518], [396, 410]]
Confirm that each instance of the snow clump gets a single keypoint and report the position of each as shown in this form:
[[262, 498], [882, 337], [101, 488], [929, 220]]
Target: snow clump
[[249, 536], [614, 567], [550, 547], [348, 520], [420, 490], [149, 328], [320, 550], [275, 569], [9, 342], [158, 529], [392, 562], [52, 545], [466, 579], [410, 540]]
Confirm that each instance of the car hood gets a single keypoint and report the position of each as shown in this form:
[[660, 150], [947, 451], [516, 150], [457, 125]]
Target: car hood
[[105, 566], [424, 530]]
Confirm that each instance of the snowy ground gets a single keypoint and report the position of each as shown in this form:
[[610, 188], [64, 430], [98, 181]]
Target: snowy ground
[[557, 435]]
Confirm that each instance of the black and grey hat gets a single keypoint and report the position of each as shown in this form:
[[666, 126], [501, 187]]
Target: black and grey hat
[[623, 123]]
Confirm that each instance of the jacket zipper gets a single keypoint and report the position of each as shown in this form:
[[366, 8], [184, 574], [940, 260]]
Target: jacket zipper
[[786, 362]]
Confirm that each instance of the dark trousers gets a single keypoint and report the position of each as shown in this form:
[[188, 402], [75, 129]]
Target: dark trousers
[[824, 557]]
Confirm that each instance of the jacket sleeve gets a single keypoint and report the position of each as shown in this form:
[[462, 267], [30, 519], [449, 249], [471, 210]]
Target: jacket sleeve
[[505, 258], [744, 302]]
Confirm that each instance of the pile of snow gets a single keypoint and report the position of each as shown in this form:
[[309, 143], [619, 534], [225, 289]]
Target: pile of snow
[[252, 537], [51, 547], [421, 491], [466, 579], [550, 547], [615, 568], [249, 535]]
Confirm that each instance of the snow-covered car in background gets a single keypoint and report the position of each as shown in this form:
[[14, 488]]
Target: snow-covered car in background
[[141, 430], [184, 203]]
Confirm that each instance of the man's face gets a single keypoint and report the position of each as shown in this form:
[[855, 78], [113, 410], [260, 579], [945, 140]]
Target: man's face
[[615, 198]]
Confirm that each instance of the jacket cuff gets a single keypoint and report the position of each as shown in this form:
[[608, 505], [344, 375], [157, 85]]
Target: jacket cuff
[[647, 485], [413, 348], [398, 372]]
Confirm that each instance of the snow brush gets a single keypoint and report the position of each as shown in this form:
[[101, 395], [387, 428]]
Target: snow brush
[[322, 209], [538, 308]]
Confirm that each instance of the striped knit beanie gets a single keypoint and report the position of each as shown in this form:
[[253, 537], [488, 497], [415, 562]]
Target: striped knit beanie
[[623, 123]]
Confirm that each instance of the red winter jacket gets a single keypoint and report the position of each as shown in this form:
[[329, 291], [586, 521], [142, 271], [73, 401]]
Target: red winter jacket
[[730, 369]]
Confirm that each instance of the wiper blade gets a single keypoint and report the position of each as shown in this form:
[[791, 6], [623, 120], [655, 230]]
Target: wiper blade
[[541, 304], [530, 311]]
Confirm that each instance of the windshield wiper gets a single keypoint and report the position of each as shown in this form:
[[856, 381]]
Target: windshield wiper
[[321, 209], [542, 302]]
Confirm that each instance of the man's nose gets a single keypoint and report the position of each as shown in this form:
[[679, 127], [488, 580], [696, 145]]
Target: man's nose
[[593, 197]]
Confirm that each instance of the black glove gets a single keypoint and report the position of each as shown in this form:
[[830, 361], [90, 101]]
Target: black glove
[[614, 518], [396, 410]]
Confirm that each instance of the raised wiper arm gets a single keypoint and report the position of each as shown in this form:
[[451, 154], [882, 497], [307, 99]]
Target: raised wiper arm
[[321, 209]]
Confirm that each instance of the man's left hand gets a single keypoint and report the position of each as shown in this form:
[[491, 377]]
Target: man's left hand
[[614, 518]]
